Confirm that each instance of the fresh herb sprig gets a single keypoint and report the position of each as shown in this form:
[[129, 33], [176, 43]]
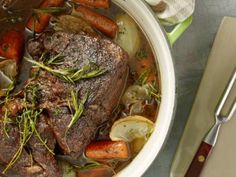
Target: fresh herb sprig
[[154, 92], [45, 10], [77, 106], [142, 81], [143, 77], [56, 60], [71, 75], [6, 119], [27, 125], [50, 10], [141, 54]]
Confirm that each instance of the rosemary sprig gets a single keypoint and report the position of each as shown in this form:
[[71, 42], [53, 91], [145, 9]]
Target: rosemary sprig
[[79, 108], [141, 54], [45, 10], [10, 88], [6, 119], [44, 142], [154, 92], [26, 123], [70, 75], [50, 10], [56, 60], [143, 77], [142, 81]]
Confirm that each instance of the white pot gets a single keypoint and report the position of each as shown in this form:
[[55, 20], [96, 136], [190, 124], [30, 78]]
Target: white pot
[[144, 17]]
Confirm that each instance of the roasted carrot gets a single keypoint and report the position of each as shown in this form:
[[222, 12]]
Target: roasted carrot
[[98, 21], [146, 62], [103, 150], [94, 3], [11, 45], [100, 171], [40, 23]]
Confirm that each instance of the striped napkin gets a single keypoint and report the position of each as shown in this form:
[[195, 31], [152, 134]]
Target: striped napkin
[[171, 12]]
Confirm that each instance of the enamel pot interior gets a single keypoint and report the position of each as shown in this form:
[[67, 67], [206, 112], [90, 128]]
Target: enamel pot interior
[[144, 17]]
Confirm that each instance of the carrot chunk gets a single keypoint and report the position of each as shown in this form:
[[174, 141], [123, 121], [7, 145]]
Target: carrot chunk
[[102, 171], [94, 3], [108, 150], [39, 24], [98, 21], [11, 45]]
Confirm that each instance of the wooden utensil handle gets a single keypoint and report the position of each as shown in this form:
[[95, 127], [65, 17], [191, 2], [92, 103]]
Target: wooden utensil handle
[[199, 160]]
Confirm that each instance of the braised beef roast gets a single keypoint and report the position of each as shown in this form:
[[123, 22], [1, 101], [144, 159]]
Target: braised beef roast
[[103, 92]]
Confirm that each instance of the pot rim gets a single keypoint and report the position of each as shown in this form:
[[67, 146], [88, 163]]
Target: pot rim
[[145, 18]]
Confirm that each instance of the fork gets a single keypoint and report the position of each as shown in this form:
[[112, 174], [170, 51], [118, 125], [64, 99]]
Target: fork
[[209, 141]]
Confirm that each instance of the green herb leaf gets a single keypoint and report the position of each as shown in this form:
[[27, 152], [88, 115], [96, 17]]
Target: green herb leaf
[[6, 119], [79, 108], [56, 60], [143, 77], [141, 54], [70, 75], [50, 10], [26, 124], [154, 92]]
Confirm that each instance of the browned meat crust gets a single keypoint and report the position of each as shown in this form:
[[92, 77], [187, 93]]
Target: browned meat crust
[[104, 94]]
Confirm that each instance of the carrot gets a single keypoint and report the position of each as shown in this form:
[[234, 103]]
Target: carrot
[[11, 45], [39, 24], [98, 21], [143, 63], [101, 171], [94, 3], [103, 150]]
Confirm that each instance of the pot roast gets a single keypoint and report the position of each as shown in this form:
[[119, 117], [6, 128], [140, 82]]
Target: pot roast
[[103, 92]]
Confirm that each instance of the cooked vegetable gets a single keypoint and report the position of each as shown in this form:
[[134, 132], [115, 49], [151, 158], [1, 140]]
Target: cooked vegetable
[[137, 97], [40, 19], [145, 63], [94, 3], [11, 45], [137, 144], [98, 21], [97, 171], [8, 72], [136, 108], [67, 169], [134, 94], [5, 82], [107, 150], [73, 24], [130, 128], [9, 68], [128, 35]]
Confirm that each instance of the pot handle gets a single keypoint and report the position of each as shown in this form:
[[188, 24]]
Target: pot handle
[[178, 30]]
